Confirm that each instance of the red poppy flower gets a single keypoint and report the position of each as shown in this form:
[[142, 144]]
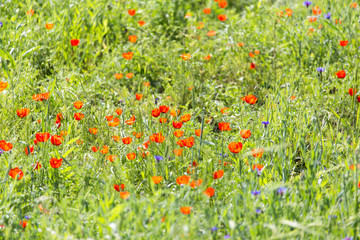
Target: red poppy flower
[[218, 174], [30, 12], [42, 137], [163, 120], [105, 149], [131, 156], [131, 12], [258, 167], [222, 3], [209, 192], [158, 138], [155, 112], [127, 140], [41, 97], [222, 17], [119, 111], [93, 130], [55, 163], [164, 108], [109, 118], [128, 55], [37, 166], [141, 23], [341, 74], [3, 85], [352, 92], [183, 180], [178, 133], [94, 149], [177, 125], [316, 10], [31, 148], [207, 58], [195, 184], [223, 126], [56, 140], [343, 43], [250, 99], [78, 116], [23, 223], [131, 121], [235, 147], [207, 10], [16, 172], [185, 210], [245, 133], [252, 66], [138, 96], [74, 42], [23, 112], [114, 123], [198, 132]]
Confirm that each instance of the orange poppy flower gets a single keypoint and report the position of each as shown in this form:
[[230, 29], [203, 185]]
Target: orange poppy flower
[[156, 179], [141, 23], [200, 25], [131, 121], [209, 192], [190, 141], [31, 148], [105, 149], [207, 58], [131, 12], [211, 33], [3, 85], [235, 147], [252, 66], [23, 223], [114, 123], [258, 153], [222, 3], [251, 99], [74, 42], [111, 158], [78, 104], [133, 38], [218, 174], [118, 76], [79, 142], [178, 152], [223, 126], [353, 5], [292, 98], [177, 125], [222, 17], [198, 132], [183, 180], [55, 163], [312, 19], [42, 137], [119, 111], [158, 138], [186, 118], [163, 108], [124, 195], [224, 110], [338, 21], [155, 112], [78, 116], [188, 15], [258, 167], [116, 138], [251, 55], [185, 210], [128, 55], [316, 10], [245, 133], [109, 118], [131, 156], [178, 133], [341, 74], [93, 130], [94, 149], [138, 96], [207, 10], [16, 172], [289, 12], [59, 117], [146, 84], [30, 12], [37, 166], [163, 120], [185, 56], [23, 112], [343, 43], [257, 52], [127, 140], [49, 26], [41, 97], [129, 75], [174, 113], [56, 140]]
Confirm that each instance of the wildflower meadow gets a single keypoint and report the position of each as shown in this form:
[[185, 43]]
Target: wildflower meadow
[[174, 119]]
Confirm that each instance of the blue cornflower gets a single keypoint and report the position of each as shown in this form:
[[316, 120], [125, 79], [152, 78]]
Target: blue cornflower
[[348, 238], [320, 69], [27, 217], [328, 16], [214, 229], [227, 236], [332, 216], [225, 155], [258, 211], [265, 123], [159, 158], [307, 3], [281, 190], [255, 193], [1, 151], [156, 100], [1, 24]]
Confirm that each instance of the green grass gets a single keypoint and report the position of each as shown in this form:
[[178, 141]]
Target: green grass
[[309, 144]]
